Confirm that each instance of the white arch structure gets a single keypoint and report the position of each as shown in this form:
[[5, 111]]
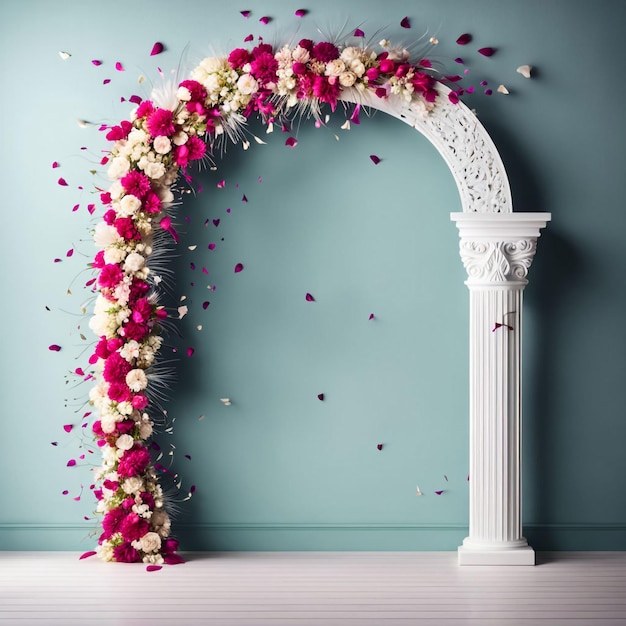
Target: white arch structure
[[497, 247]]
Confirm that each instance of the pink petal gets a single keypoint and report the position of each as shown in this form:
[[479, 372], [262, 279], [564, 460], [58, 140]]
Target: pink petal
[[135, 99], [192, 489], [453, 97], [54, 443], [71, 463], [375, 159], [91, 208], [245, 13], [119, 67], [320, 396], [354, 118], [221, 184], [75, 208], [79, 372], [459, 60], [58, 260], [96, 62], [380, 446], [292, 142], [249, 38], [205, 270], [106, 81], [488, 92], [173, 559], [86, 555], [483, 83], [405, 23], [205, 305], [309, 298], [70, 252], [188, 456], [238, 268], [487, 52], [464, 39], [301, 12], [359, 33], [55, 164], [62, 182], [439, 492], [153, 568], [371, 317], [54, 347], [211, 246], [454, 78], [157, 48], [216, 223], [244, 198], [265, 19], [68, 428]]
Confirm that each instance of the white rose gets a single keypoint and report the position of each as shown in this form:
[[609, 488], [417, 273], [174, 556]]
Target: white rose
[[150, 542], [347, 79], [357, 67], [116, 190], [119, 167], [134, 484], [108, 424], [134, 262], [129, 205], [154, 170], [136, 380], [335, 68], [104, 235], [162, 144], [180, 138], [247, 84], [114, 255], [130, 350]]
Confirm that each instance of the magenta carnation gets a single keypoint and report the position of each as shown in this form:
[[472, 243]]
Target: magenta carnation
[[125, 553], [133, 527], [98, 261], [160, 122], [147, 498], [262, 48], [326, 91], [145, 109], [115, 368], [151, 203], [126, 228], [136, 183], [139, 402], [110, 276], [109, 217], [111, 522], [264, 68], [307, 44], [120, 132], [134, 461], [142, 310], [238, 58], [325, 51], [133, 330], [138, 288], [119, 392], [197, 91]]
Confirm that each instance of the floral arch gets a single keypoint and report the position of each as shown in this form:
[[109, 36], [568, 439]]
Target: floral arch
[[149, 162]]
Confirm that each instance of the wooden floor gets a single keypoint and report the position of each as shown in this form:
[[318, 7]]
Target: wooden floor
[[306, 588]]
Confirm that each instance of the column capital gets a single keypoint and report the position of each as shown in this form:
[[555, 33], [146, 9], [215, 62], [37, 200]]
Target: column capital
[[497, 249]]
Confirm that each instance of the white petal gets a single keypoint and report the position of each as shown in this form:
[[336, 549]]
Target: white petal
[[503, 89], [64, 55], [524, 70]]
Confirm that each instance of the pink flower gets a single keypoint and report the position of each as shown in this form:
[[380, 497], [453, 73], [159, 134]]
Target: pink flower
[[119, 392], [145, 109], [238, 58], [139, 402], [151, 203], [126, 228], [134, 527], [262, 48], [160, 123], [138, 288], [111, 522], [264, 68], [119, 132], [136, 183], [326, 91], [147, 498], [325, 51], [125, 553], [387, 66], [298, 68], [110, 276], [190, 151], [142, 310], [109, 217], [105, 198], [307, 44], [134, 461], [196, 90], [133, 330], [115, 368], [98, 261]]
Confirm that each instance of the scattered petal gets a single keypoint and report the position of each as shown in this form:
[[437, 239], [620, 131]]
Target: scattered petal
[[173, 559], [70, 252], [375, 159], [54, 347], [225, 402], [358, 32], [487, 52], [65, 492], [346, 125], [106, 81], [464, 39], [216, 222], [68, 428], [445, 477], [135, 99], [54, 443], [453, 96], [371, 317], [292, 142], [55, 164], [190, 352], [459, 60], [153, 568], [245, 13], [355, 115], [488, 92], [418, 491], [83, 123], [211, 246], [439, 492], [157, 48], [524, 70], [221, 184], [64, 55], [503, 89], [320, 396], [379, 446], [205, 305], [86, 555], [62, 182], [249, 38], [238, 268], [182, 311], [119, 67], [483, 83], [71, 463], [301, 12], [309, 298], [188, 457], [244, 198], [265, 19], [405, 23], [434, 41], [96, 62]]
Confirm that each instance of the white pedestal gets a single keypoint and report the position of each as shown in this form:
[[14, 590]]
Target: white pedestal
[[497, 249]]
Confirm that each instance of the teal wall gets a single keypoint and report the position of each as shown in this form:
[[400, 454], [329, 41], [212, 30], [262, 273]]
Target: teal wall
[[279, 469]]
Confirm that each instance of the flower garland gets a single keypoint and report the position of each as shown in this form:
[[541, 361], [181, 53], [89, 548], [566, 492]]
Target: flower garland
[[149, 152]]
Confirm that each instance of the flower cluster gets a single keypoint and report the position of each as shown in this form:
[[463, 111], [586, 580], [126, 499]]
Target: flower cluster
[[149, 152]]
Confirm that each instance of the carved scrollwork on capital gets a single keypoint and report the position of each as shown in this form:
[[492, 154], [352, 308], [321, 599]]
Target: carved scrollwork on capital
[[497, 262]]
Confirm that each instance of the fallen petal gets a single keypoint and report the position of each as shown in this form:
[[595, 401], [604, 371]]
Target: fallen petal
[[292, 142], [157, 48], [54, 347], [309, 298], [62, 182], [503, 89], [106, 81], [301, 12], [190, 351], [380, 446], [371, 317], [119, 67], [55, 164], [244, 198], [205, 305], [238, 268], [71, 463], [64, 55], [464, 39], [211, 246], [96, 62], [375, 159], [245, 13], [153, 568], [68, 428], [86, 555], [359, 33], [320, 396], [439, 492], [488, 92], [249, 38], [216, 222], [221, 184], [459, 60], [405, 23], [173, 559], [524, 70], [265, 19], [486, 52]]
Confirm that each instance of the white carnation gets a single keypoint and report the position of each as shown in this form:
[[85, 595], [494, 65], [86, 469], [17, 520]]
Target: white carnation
[[347, 79], [247, 84], [119, 167], [105, 235], [114, 255], [130, 350], [136, 380], [129, 205], [335, 67], [301, 55], [134, 262], [162, 144], [134, 484], [154, 170]]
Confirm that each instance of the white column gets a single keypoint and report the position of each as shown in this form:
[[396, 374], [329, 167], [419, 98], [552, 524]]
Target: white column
[[497, 250]]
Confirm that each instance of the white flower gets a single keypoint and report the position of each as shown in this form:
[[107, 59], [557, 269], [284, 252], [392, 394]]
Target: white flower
[[105, 235], [213, 64], [136, 380], [183, 94], [134, 262], [347, 79], [180, 138], [335, 67], [125, 408], [105, 551], [153, 559], [150, 542], [161, 523], [119, 167], [154, 170], [108, 424], [134, 484], [247, 84], [162, 144], [130, 350], [129, 205], [114, 255], [145, 427], [300, 55], [116, 190]]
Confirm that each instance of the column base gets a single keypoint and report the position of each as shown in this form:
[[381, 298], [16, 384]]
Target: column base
[[517, 553]]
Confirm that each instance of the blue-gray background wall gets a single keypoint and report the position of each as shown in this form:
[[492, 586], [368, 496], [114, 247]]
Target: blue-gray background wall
[[280, 469]]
